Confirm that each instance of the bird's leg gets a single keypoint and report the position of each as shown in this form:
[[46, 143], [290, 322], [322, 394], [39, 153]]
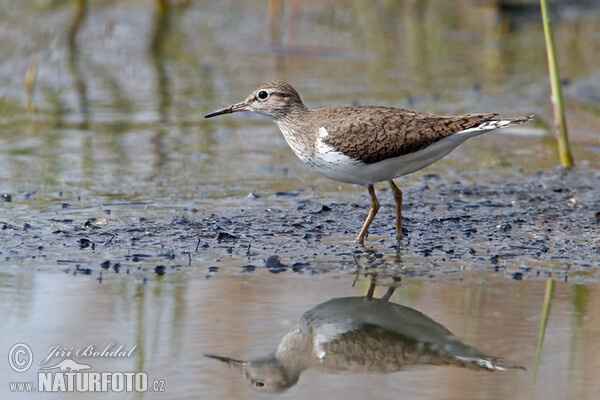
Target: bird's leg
[[374, 208], [398, 198], [371, 290], [388, 293], [391, 289]]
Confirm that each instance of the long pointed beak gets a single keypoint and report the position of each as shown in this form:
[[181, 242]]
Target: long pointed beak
[[243, 106], [235, 364]]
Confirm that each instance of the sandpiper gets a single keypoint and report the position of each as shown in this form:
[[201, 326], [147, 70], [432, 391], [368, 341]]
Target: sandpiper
[[360, 334], [364, 144]]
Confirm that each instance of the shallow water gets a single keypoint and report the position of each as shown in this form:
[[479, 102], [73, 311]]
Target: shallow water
[[174, 320], [111, 132]]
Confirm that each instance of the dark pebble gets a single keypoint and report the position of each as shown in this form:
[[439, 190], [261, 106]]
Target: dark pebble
[[299, 266], [7, 197], [274, 262], [505, 227], [138, 256], [213, 269], [226, 237], [105, 264], [322, 209], [84, 271], [518, 276], [286, 194], [249, 268], [84, 243], [160, 270], [117, 267], [277, 270], [494, 259]]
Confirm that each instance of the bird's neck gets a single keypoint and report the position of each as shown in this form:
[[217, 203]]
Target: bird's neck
[[294, 114], [295, 125], [295, 350]]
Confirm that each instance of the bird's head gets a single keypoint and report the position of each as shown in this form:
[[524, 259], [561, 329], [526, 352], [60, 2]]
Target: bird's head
[[273, 99]]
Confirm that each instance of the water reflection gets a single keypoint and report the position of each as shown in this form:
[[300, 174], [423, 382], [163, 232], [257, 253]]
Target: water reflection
[[81, 9], [360, 334]]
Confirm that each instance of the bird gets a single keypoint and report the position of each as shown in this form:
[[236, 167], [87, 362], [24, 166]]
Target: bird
[[364, 144], [357, 335]]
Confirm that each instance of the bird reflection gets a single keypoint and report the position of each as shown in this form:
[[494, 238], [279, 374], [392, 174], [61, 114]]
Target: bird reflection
[[360, 334]]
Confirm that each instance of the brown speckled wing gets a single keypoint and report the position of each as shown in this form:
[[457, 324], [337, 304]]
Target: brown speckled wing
[[372, 134]]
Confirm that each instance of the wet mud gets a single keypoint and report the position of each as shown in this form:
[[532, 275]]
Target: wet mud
[[545, 224]]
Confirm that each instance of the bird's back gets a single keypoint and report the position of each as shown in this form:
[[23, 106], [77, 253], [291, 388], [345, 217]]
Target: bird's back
[[372, 133]]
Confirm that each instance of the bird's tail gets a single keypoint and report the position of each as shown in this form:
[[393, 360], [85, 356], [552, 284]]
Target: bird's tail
[[487, 363], [503, 123]]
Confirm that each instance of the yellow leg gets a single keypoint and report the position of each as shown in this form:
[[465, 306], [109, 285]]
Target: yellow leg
[[374, 208], [388, 293], [398, 198], [372, 285]]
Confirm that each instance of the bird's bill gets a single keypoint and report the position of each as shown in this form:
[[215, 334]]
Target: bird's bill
[[235, 364], [243, 106]]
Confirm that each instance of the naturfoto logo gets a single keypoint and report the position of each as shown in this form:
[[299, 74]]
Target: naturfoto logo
[[64, 374]]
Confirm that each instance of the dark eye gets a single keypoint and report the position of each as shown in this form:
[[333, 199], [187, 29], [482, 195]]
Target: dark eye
[[259, 384], [263, 95]]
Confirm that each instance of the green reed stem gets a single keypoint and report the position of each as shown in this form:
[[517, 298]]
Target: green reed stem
[[543, 322], [560, 121]]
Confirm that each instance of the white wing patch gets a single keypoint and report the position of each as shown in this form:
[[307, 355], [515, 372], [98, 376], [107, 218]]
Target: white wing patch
[[333, 163], [323, 133]]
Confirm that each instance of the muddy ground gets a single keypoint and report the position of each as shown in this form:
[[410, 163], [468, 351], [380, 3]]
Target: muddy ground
[[524, 227]]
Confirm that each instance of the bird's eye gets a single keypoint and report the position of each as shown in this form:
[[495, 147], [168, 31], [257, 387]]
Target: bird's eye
[[259, 384], [263, 95]]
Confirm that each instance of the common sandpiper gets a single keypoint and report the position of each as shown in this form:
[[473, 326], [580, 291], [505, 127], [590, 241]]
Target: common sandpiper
[[365, 144]]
